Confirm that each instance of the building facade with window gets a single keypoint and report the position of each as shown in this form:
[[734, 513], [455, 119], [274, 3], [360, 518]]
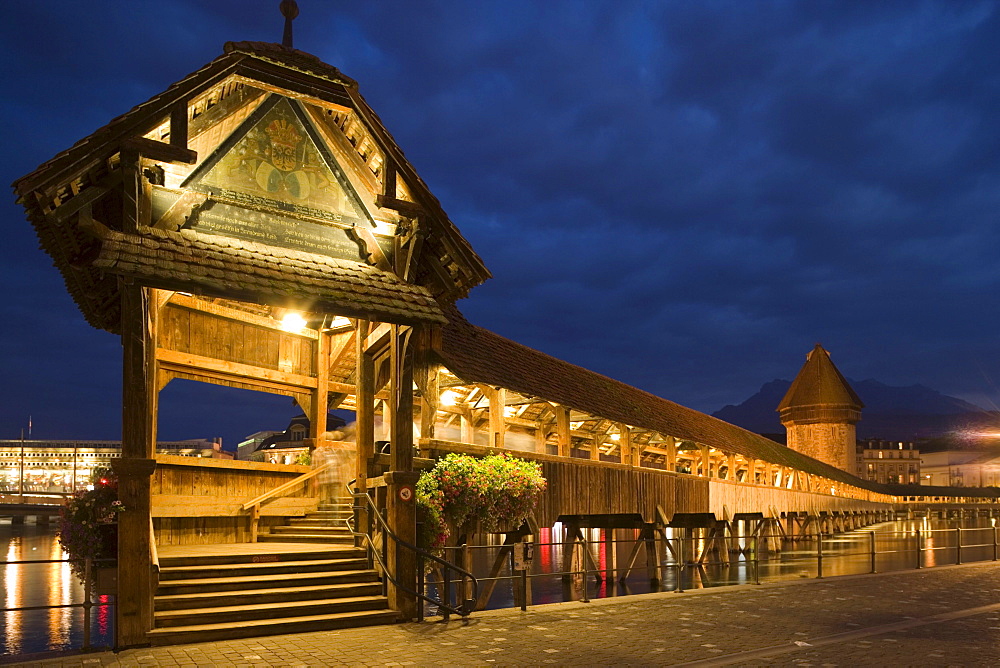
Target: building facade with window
[[889, 461], [61, 467]]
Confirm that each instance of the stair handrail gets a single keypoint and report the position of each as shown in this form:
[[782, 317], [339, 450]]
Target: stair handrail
[[467, 605], [281, 489]]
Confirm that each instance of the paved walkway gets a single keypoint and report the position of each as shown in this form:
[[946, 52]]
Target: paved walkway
[[946, 616]]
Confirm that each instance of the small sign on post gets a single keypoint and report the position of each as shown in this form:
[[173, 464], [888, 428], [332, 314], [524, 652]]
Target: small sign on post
[[522, 556]]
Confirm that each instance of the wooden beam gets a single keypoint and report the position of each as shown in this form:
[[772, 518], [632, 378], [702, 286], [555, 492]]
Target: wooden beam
[[179, 124], [211, 308], [175, 360], [160, 151]]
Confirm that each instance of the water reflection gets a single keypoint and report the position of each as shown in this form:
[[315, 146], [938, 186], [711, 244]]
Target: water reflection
[[40, 584], [898, 545]]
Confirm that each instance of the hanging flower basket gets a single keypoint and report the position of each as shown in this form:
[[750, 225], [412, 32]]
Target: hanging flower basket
[[88, 527], [462, 494]]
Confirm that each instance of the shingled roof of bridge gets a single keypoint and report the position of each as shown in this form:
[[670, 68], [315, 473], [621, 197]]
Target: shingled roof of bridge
[[481, 356], [227, 267]]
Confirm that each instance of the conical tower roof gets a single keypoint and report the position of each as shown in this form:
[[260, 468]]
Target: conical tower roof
[[819, 383]]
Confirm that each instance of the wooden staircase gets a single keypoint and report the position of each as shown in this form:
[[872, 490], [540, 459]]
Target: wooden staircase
[[306, 576], [327, 524]]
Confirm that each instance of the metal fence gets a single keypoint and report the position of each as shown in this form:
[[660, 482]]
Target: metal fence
[[864, 551]]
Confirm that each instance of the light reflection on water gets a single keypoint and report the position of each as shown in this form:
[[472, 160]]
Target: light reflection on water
[[23, 585], [843, 554], [847, 553]]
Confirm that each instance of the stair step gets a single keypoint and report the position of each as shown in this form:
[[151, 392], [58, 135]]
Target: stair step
[[320, 528], [261, 569], [265, 596], [318, 522], [305, 538], [222, 584], [330, 552], [252, 628], [251, 612]]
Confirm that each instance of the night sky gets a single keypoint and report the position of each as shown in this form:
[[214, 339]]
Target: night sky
[[685, 196]]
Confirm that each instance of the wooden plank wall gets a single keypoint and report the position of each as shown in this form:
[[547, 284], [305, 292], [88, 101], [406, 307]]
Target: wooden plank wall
[[743, 498], [211, 336], [178, 482], [586, 487]]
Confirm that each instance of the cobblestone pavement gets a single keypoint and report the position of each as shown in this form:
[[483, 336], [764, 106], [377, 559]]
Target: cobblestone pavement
[[946, 616]]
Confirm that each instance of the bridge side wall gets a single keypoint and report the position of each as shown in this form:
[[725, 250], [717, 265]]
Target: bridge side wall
[[725, 495], [197, 501]]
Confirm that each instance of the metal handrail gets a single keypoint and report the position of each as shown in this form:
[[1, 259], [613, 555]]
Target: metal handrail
[[467, 605]]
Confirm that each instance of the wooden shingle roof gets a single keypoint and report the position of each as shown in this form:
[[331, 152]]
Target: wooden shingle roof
[[477, 355], [820, 383], [221, 266], [85, 175]]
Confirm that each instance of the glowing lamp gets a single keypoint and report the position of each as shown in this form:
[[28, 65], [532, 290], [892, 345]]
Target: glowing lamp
[[293, 322]]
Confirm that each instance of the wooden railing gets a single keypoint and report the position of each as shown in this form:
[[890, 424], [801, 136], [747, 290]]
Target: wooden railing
[[253, 505]]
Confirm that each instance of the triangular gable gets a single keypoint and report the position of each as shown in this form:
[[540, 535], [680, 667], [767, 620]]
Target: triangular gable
[[275, 181]]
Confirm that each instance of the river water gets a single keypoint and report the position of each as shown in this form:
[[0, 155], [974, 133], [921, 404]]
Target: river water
[[44, 584], [61, 628]]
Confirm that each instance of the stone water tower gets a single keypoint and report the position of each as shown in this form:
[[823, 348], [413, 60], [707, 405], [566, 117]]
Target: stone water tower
[[819, 412]]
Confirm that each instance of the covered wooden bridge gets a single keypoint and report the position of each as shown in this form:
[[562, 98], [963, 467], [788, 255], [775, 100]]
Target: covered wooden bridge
[[256, 226]]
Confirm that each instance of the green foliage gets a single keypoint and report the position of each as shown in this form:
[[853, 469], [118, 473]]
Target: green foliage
[[87, 523], [497, 491], [304, 459]]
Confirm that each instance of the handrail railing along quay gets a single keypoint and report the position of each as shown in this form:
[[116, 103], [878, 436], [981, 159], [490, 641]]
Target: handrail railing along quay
[[379, 554], [753, 559], [88, 594]]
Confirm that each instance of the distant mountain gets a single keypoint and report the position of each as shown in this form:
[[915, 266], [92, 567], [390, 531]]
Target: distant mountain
[[893, 413]]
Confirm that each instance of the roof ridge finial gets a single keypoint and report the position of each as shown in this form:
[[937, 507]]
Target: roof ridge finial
[[289, 9]]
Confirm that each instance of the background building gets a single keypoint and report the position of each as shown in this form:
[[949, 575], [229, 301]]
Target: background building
[[889, 461], [66, 466], [961, 468]]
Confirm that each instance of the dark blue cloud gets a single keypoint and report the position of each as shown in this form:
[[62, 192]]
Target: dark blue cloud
[[685, 196]]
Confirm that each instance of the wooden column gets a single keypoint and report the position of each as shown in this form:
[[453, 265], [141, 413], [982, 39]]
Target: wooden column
[[429, 374], [628, 454], [672, 454], [562, 429], [595, 450], [134, 609], [365, 416], [497, 396], [401, 479], [320, 396], [541, 433]]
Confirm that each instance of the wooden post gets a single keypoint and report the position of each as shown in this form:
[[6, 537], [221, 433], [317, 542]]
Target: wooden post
[[365, 417], [497, 396], [430, 390], [134, 609], [320, 396], [671, 446], [625, 445], [541, 434], [562, 429], [400, 481]]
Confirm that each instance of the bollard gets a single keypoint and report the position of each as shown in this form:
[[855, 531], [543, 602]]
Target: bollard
[[920, 550], [524, 585], [445, 593], [819, 555], [586, 598], [994, 543], [958, 550], [871, 536]]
